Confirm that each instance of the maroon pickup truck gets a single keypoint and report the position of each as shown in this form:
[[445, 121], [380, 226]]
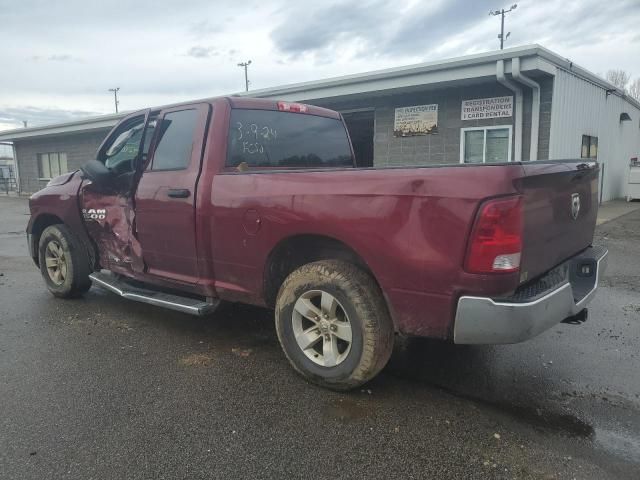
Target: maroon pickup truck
[[258, 201]]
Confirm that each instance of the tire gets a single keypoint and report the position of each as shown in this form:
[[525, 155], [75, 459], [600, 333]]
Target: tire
[[59, 250], [357, 303]]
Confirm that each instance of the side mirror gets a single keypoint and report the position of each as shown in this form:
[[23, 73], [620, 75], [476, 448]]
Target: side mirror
[[97, 173]]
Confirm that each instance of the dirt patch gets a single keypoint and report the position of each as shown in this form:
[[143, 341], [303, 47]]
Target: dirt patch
[[626, 282], [241, 352], [196, 360], [96, 320], [632, 307]]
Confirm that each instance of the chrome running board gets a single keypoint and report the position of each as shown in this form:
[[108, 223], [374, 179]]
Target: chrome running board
[[192, 306]]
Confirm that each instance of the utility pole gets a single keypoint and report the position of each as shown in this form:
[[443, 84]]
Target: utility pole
[[115, 96], [246, 74], [502, 13]]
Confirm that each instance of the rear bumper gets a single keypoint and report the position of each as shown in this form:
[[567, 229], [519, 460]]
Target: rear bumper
[[535, 307]]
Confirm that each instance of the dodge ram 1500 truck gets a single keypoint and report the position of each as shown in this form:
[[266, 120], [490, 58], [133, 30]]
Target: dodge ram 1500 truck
[[259, 201]]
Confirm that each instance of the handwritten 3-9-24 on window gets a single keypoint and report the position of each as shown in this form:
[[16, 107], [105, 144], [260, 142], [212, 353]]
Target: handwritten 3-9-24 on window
[[253, 136]]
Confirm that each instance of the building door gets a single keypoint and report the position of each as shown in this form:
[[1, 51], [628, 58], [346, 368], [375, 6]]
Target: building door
[[360, 125], [589, 149], [165, 197]]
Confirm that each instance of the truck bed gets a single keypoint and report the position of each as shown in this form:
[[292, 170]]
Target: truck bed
[[409, 225]]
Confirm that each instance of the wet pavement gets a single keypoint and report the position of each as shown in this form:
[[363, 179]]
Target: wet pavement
[[102, 387]]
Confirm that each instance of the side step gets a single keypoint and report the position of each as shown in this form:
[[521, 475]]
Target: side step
[[192, 306]]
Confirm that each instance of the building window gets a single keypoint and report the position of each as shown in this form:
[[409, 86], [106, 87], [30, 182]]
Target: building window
[[485, 144], [589, 147], [50, 165]]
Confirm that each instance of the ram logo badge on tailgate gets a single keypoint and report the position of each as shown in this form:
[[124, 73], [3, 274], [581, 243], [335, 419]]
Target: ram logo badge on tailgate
[[575, 205]]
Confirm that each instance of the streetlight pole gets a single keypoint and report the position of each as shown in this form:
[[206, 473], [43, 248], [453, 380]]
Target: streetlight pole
[[246, 74], [115, 96], [502, 13]]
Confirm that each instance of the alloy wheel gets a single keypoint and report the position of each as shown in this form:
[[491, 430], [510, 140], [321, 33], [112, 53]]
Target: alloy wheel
[[322, 328], [56, 262]]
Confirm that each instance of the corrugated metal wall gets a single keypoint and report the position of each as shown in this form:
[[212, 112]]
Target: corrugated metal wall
[[582, 108]]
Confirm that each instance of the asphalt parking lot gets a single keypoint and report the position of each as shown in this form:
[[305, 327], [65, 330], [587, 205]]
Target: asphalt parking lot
[[102, 387]]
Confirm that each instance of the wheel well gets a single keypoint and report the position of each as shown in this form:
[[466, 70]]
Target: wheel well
[[43, 221], [294, 252]]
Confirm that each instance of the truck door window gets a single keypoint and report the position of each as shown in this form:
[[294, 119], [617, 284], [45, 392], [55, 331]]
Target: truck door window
[[120, 153], [174, 140], [268, 138]]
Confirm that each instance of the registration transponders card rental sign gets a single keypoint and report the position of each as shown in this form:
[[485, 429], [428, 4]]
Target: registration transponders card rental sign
[[481, 108], [416, 120]]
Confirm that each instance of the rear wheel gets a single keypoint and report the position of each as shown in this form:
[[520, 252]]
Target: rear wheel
[[64, 263], [333, 324]]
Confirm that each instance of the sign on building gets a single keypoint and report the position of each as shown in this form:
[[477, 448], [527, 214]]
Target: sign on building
[[416, 120], [481, 108]]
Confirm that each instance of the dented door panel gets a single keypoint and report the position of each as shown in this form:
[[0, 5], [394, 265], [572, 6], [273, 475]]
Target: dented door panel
[[109, 219]]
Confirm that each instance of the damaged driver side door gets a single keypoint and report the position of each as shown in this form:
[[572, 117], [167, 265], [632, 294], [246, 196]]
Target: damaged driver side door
[[108, 208]]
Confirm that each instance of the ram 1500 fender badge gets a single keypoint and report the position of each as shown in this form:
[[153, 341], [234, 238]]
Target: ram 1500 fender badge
[[94, 213], [575, 205]]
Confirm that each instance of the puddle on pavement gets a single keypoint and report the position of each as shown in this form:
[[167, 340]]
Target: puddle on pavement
[[618, 444], [560, 422], [346, 409], [467, 372]]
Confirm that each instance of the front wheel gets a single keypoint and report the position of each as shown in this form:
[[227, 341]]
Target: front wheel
[[333, 324], [64, 263]]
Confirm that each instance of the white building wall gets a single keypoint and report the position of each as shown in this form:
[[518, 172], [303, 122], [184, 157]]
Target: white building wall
[[582, 108]]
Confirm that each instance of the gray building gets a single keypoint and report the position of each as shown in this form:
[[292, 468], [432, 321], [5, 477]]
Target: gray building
[[519, 104]]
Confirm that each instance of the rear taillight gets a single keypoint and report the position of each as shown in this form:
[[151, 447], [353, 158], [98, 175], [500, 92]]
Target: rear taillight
[[292, 107], [496, 239]]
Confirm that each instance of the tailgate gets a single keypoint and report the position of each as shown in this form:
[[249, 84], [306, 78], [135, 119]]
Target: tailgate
[[560, 209]]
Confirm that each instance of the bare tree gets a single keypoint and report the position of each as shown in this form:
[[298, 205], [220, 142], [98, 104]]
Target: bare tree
[[634, 89], [619, 78]]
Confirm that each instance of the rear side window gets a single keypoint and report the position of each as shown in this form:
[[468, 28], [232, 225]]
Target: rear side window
[[175, 140], [267, 138]]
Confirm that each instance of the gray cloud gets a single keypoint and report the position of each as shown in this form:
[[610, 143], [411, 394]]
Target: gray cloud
[[327, 25], [60, 58], [35, 116], [64, 70], [584, 23], [379, 26], [421, 29], [383, 29], [202, 52], [204, 28], [55, 58]]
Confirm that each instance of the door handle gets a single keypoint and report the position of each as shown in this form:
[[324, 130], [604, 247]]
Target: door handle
[[178, 193]]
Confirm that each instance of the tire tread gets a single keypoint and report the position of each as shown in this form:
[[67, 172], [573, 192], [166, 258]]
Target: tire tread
[[81, 269], [367, 298]]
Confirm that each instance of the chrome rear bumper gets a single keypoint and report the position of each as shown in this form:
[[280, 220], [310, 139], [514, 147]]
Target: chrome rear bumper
[[564, 292]]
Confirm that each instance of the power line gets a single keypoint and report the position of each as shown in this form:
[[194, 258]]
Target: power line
[[502, 13], [115, 96], [246, 74]]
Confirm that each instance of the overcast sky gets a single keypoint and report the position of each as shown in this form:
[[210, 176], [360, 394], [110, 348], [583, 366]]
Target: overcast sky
[[59, 58]]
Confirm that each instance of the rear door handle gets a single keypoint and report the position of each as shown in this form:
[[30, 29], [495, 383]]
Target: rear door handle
[[178, 193]]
